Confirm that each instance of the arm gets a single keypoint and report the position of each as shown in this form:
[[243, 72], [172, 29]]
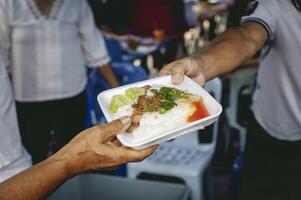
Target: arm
[[108, 74], [94, 45], [233, 48], [227, 52], [93, 149], [36, 182]]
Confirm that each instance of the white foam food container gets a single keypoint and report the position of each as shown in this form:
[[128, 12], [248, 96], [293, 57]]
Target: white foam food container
[[213, 107]]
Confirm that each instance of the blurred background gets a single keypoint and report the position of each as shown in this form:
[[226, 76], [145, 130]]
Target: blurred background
[[141, 36]]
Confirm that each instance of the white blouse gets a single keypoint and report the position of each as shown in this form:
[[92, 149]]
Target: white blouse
[[47, 55], [10, 141]]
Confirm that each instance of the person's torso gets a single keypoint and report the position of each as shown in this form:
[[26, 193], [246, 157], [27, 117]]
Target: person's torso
[[47, 61], [277, 100], [10, 142]]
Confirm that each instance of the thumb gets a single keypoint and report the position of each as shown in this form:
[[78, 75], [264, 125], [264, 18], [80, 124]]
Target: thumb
[[115, 127], [176, 69]]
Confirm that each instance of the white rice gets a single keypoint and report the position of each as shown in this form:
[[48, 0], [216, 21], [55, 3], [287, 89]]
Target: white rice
[[153, 124]]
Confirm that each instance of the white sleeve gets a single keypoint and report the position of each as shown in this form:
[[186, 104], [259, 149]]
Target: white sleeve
[[264, 12], [5, 39], [92, 40]]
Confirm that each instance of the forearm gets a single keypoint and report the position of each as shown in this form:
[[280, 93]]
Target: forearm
[[230, 50], [108, 74], [91, 150], [35, 183]]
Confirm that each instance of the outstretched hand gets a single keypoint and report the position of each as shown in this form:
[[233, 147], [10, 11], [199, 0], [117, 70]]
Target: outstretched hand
[[97, 148], [190, 66]]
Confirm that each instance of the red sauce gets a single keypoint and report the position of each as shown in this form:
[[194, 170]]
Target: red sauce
[[199, 113]]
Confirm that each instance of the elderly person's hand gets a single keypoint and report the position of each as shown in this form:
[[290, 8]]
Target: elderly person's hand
[[93, 149], [97, 148], [193, 67]]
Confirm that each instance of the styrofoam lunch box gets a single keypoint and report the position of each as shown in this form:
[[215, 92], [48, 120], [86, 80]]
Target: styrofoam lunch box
[[213, 107]]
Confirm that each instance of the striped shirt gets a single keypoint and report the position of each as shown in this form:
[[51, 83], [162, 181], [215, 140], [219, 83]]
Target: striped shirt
[[47, 55]]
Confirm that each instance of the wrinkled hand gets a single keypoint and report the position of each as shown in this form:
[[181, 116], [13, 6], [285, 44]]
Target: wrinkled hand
[[192, 67], [97, 148]]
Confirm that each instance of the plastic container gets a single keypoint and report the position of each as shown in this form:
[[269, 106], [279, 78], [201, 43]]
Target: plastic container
[[213, 107]]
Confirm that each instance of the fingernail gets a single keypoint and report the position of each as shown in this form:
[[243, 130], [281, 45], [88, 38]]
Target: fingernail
[[125, 120]]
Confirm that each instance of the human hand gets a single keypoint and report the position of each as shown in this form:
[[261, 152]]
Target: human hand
[[97, 148], [193, 67]]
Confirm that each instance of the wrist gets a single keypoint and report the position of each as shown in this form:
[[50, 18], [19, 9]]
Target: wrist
[[67, 163], [60, 167], [207, 67]]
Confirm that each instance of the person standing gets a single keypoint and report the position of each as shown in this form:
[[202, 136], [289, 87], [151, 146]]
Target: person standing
[[47, 45], [13, 157], [273, 146]]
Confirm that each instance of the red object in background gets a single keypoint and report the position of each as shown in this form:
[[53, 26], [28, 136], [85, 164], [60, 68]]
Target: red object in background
[[151, 15], [199, 113], [159, 35]]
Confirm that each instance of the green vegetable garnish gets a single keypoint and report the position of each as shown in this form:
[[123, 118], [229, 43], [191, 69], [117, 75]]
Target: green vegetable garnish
[[164, 99], [131, 94], [154, 91], [165, 107], [170, 96], [118, 101], [134, 93]]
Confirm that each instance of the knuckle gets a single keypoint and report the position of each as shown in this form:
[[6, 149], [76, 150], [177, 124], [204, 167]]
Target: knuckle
[[113, 127], [117, 124], [177, 72]]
